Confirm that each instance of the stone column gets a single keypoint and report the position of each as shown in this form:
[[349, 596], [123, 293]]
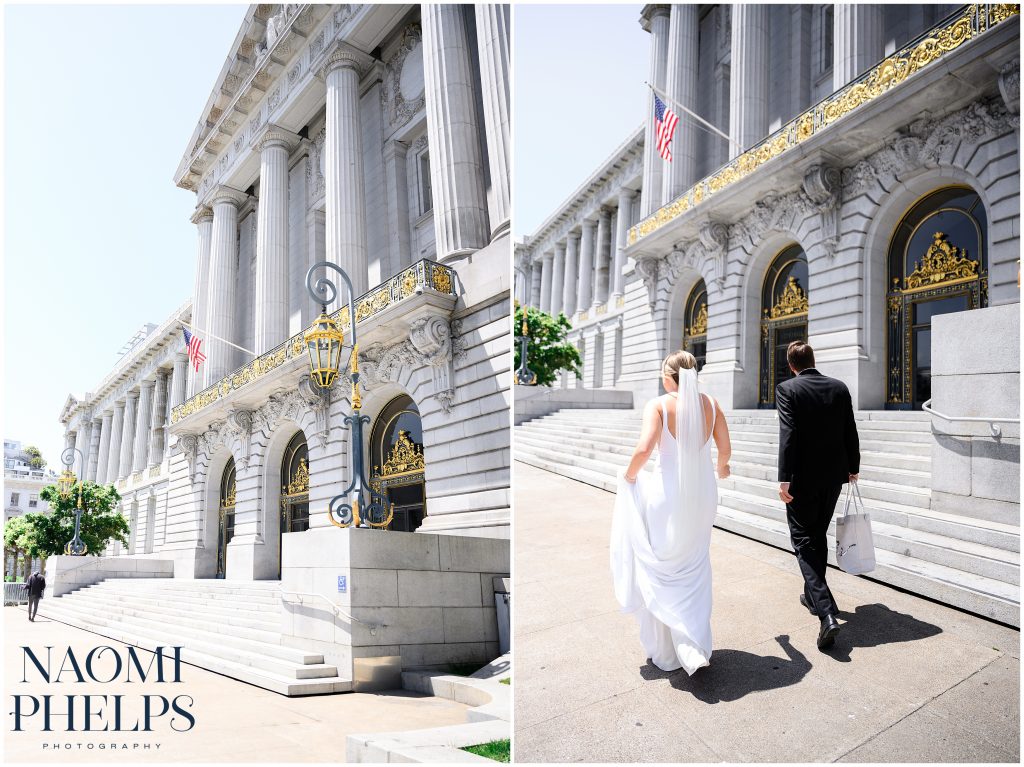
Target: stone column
[[681, 86], [203, 219], [601, 260], [181, 364], [622, 220], [159, 417], [558, 279], [397, 185], [143, 420], [748, 76], [114, 455], [103, 452], [858, 40], [95, 435], [81, 445], [271, 305], [586, 271], [492, 39], [124, 467], [220, 299], [534, 277], [656, 21], [570, 283], [456, 166], [545, 282], [343, 175]]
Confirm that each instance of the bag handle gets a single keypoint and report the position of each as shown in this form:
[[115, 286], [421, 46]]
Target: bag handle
[[846, 506], [858, 502], [853, 493]]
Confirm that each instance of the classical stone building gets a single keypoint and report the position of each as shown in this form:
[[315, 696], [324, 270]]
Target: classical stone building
[[375, 137], [870, 186]]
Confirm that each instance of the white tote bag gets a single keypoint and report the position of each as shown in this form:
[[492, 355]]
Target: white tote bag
[[855, 549]]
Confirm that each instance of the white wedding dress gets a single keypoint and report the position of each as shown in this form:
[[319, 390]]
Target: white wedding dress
[[661, 540]]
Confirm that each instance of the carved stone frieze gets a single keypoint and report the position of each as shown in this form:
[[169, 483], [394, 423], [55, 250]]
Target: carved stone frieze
[[240, 426], [714, 237], [648, 268], [399, 105], [319, 401], [823, 188], [1009, 85], [315, 183]]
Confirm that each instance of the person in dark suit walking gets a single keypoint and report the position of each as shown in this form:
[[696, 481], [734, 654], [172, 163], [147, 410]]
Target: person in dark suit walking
[[36, 586], [819, 452]]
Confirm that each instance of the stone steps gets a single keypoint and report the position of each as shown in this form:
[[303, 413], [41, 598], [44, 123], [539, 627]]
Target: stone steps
[[962, 561], [231, 629]]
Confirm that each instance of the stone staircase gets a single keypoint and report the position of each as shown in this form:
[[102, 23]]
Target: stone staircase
[[230, 627], [958, 560]]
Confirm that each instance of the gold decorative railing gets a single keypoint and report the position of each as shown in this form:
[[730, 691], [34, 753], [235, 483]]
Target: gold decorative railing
[[965, 24], [423, 275]]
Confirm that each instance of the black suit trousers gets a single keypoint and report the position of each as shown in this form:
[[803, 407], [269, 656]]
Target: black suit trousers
[[809, 515]]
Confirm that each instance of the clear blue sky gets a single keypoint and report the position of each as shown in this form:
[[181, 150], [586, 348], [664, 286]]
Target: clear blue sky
[[100, 102], [579, 92]]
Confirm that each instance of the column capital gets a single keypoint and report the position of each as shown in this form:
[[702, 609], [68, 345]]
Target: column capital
[[132, 395], [345, 56], [574, 234], [652, 11], [275, 136], [226, 194], [549, 256], [203, 214]]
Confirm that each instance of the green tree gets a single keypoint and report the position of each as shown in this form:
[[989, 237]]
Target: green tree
[[20, 538], [101, 522], [36, 460], [549, 353]]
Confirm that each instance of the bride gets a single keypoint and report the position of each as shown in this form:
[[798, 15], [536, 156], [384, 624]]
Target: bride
[[661, 531]]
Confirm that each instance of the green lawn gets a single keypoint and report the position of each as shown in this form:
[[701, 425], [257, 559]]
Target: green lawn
[[498, 750]]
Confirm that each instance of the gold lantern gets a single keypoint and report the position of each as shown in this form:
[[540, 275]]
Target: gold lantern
[[324, 340]]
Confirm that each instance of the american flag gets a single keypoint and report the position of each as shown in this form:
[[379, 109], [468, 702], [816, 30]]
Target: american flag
[[665, 121], [192, 342]]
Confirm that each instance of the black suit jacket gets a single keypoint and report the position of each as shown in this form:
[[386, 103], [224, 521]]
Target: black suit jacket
[[818, 442]]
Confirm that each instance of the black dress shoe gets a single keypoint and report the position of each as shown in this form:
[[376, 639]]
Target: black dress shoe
[[808, 605], [828, 633]]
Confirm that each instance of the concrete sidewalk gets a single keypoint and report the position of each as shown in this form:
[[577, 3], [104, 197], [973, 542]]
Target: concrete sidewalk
[[907, 681]]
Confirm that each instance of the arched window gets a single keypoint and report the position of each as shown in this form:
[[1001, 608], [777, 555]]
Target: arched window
[[784, 304], [295, 486], [695, 323], [396, 454], [937, 265], [226, 516]]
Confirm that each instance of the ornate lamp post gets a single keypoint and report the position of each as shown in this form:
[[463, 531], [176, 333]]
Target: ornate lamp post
[[525, 376], [358, 504], [65, 486]]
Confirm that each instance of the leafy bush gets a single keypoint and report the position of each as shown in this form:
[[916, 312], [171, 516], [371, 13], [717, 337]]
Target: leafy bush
[[549, 353]]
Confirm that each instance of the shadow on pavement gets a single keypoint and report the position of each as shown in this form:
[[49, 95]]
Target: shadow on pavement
[[735, 673], [873, 625]]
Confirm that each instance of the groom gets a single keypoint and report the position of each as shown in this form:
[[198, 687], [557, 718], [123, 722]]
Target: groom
[[819, 452]]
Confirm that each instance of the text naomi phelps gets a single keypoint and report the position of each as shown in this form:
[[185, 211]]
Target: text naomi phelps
[[101, 713]]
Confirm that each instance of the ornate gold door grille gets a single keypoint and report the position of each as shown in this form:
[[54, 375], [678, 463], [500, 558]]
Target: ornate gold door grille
[[226, 518], [695, 327], [785, 305], [401, 481]]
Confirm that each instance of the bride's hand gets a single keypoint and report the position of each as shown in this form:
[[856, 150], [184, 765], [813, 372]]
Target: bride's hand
[[723, 471]]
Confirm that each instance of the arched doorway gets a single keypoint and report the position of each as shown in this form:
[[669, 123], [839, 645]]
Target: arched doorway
[[396, 454], [783, 318], [695, 323], [226, 516], [937, 265], [294, 489]]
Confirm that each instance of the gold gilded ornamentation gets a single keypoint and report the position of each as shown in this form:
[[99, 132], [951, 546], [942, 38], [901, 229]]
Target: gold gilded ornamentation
[[137, 477], [442, 280], [700, 322], [228, 502], [154, 471], [1001, 12], [942, 263], [792, 301], [299, 483], [601, 309], [895, 303], [409, 283], [406, 456], [583, 316], [620, 301]]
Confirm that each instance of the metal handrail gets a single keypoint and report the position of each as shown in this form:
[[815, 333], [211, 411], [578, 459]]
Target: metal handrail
[[337, 610], [991, 421]]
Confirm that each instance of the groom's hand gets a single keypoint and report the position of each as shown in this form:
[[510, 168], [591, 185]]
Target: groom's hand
[[853, 477], [784, 492]]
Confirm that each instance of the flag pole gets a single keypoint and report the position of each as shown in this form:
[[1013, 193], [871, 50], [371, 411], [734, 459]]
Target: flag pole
[[194, 329], [694, 115]]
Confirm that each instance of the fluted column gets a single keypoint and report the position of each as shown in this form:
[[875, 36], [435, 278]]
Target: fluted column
[[534, 284], [220, 299], [124, 467], [181, 364], [143, 420], [81, 446], [103, 452], [271, 304], [858, 40], [545, 281], [456, 165], [748, 76], [655, 21], [626, 197], [95, 435], [114, 456], [203, 219], [601, 258], [558, 279], [586, 271], [681, 86], [397, 185], [492, 39], [570, 283], [159, 416]]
